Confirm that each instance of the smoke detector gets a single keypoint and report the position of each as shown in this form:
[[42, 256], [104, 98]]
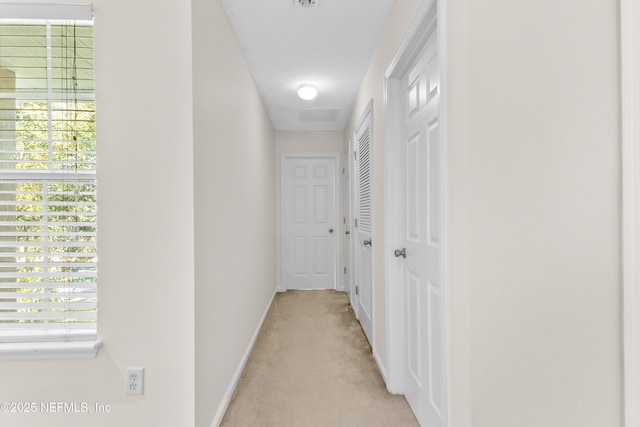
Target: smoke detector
[[307, 4]]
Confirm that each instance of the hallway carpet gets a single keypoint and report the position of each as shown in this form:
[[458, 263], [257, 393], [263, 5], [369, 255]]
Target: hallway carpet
[[312, 366]]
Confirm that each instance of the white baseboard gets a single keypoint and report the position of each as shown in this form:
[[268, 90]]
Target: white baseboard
[[383, 372], [236, 377]]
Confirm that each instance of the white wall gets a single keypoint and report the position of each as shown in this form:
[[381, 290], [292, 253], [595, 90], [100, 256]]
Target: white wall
[[145, 203], [544, 201], [300, 142], [235, 206], [533, 166]]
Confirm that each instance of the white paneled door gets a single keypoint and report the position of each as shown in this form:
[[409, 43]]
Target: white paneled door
[[309, 226], [421, 253], [363, 138]]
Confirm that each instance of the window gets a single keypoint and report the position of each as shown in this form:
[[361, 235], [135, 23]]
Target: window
[[48, 260]]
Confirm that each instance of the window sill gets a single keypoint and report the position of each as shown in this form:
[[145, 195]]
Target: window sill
[[50, 350]]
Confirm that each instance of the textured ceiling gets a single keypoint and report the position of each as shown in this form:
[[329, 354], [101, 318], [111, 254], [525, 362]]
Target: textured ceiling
[[329, 46]]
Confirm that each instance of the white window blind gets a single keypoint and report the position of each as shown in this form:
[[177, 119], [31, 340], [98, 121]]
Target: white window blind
[[48, 268]]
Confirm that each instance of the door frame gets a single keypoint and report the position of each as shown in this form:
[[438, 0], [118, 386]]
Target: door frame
[[352, 215], [429, 15], [346, 223], [630, 111], [336, 208]]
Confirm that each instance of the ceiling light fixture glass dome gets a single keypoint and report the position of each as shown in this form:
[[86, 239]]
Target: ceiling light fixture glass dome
[[307, 92]]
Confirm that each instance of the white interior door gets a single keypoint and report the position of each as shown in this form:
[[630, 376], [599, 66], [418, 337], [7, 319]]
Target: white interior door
[[421, 270], [346, 220], [309, 222], [364, 222]]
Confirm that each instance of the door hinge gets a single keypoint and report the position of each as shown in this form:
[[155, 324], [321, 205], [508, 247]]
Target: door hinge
[[355, 155], [342, 171], [345, 270], [344, 220], [356, 222], [356, 290]]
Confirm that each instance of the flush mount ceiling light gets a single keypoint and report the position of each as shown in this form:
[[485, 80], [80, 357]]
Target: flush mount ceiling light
[[307, 92]]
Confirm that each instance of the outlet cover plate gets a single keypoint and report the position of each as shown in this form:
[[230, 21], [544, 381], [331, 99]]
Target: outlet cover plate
[[135, 381]]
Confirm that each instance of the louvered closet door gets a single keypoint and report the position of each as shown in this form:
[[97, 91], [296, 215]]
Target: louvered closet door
[[365, 255]]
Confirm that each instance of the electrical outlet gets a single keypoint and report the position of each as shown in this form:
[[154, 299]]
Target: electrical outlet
[[135, 381]]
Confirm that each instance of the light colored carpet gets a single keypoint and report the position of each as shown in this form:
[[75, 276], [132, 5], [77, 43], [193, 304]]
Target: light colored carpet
[[312, 366]]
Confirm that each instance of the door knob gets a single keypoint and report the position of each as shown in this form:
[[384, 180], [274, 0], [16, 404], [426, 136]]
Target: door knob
[[400, 253], [331, 230], [347, 232], [367, 242]]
